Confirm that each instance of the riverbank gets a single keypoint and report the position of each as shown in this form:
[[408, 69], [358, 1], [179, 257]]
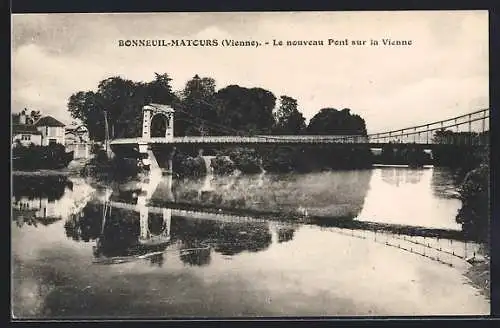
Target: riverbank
[[73, 168], [34, 158], [480, 277], [42, 173]]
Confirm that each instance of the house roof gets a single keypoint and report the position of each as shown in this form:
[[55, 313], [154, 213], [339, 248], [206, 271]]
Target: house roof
[[49, 121], [24, 129]]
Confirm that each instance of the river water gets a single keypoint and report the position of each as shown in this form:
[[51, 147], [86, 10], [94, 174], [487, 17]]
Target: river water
[[240, 246]]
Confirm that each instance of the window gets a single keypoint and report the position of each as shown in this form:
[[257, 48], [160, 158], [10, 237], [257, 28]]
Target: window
[[26, 137], [51, 131], [52, 141]]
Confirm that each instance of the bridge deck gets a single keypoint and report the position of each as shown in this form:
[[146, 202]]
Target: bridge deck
[[238, 140], [284, 140]]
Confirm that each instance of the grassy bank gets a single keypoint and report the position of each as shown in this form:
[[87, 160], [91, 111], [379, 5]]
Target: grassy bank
[[479, 275], [41, 173], [103, 168]]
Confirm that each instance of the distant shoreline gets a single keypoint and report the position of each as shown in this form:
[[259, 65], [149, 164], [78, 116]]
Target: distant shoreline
[[401, 165], [66, 171], [41, 172]]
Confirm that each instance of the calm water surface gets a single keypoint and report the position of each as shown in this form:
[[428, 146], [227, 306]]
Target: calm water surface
[[169, 248]]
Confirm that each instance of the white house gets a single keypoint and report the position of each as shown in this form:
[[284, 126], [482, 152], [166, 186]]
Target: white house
[[52, 130], [44, 131], [26, 135]]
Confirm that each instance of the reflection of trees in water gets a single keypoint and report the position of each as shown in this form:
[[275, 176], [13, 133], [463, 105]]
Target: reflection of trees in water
[[33, 187], [120, 236], [236, 239], [444, 183], [156, 223], [285, 234], [86, 225], [328, 193], [157, 259], [128, 196], [192, 254], [225, 238], [196, 238], [28, 218], [397, 176]]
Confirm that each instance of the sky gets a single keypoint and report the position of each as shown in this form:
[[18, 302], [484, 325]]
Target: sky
[[444, 73]]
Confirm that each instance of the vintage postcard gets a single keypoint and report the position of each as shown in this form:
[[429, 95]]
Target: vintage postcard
[[247, 165]]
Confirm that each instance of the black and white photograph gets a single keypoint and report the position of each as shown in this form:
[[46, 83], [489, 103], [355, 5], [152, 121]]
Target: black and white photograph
[[191, 165]]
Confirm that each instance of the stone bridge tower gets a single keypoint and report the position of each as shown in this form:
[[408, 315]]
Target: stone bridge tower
[[149, 112]]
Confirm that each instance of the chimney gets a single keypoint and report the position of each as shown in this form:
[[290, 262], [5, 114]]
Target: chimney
[[22, 118]]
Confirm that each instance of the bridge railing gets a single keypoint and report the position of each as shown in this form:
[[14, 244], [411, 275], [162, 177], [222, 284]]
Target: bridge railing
[[469, 129], [254, 139]]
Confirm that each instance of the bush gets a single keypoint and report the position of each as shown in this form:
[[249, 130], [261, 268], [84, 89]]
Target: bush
[[463, 158], [103, 168], [246, 160], [280, 160], [474, 194], [315, 158], [188, 166], [221, 165], [403, 154], [39, 157]]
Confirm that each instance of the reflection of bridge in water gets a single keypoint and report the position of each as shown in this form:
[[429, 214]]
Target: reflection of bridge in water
[[443, 250], [444, 246]]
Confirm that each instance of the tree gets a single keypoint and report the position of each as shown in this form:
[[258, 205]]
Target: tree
[[334, 122], [85, 107], [159, 90], [122, 101], [196, 110], [15, 118], [248, 111], [31, 116], [474, 194], [288, 118], [35, 115]]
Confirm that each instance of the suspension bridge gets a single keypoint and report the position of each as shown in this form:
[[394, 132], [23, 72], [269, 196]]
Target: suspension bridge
[[469, 128]]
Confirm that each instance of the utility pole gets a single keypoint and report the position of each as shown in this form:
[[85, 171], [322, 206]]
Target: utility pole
[[106, 132]]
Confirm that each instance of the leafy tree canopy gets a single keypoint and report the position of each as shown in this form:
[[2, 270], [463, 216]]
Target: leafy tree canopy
[[121, 101], [246, 110], [200, 110], [288, 118], [335, 122]]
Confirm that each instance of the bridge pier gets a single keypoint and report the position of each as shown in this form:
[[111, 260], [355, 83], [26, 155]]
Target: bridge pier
[[144, 216], [170, 165], [147, 155], [146, 236], [149, 160]]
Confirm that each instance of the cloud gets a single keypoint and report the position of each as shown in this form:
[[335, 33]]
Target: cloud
[[444, 72]]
